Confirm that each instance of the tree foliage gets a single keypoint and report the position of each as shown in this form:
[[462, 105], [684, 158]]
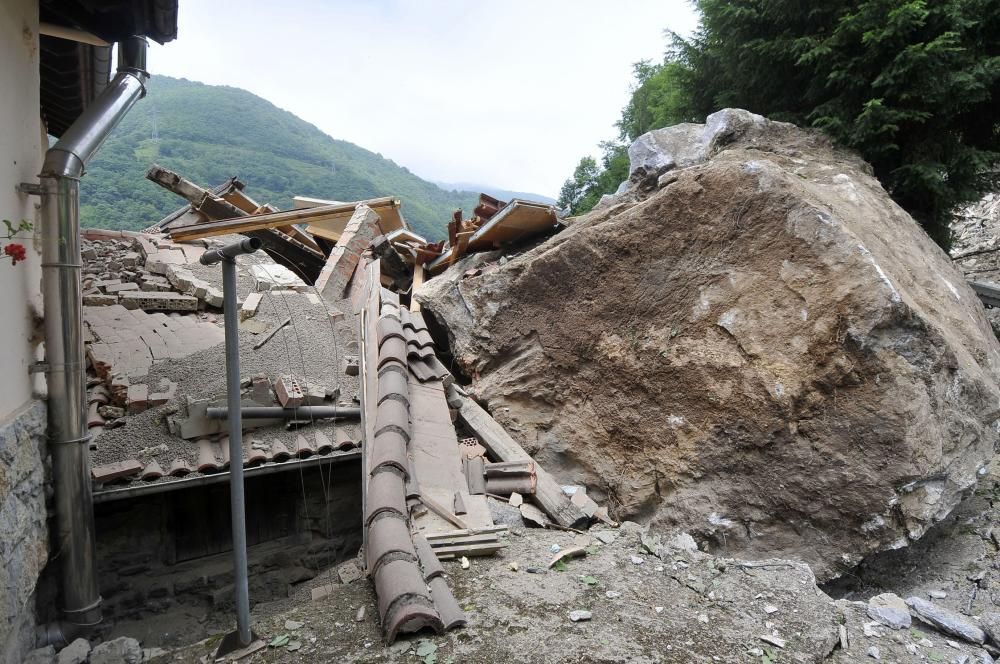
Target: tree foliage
[[912, 85]]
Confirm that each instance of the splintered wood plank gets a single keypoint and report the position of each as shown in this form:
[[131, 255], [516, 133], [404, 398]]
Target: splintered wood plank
[[501, 447], [437, 458]]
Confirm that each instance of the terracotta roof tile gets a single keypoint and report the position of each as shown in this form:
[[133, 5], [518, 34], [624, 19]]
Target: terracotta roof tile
[[279, 452], [447, 607], [389, 449], [392, 384], [385, 494], [390, 297], [388, 328], [388, 540], [393, 415], [428, 560], [207, 463], [323, 443], [393, 350], [404, 603], [151, 472], [303, 448], [179, 468]]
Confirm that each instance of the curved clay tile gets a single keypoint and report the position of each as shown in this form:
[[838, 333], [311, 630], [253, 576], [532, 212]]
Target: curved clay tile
[[255, 456], [389, 449], [99, 394], [303, 449], [392, 384], [404, 604], [388, 540], [413, 350], [222, 451], [279, 452], [444, 601], [390, 310], [392, 415], [385, 494], [94, 419], [393, 350], [429, 562], [151, 472], [207, 463], [405, 318], [344, 440], [323, 443], [179, 468], [424, 338], [387, 328]]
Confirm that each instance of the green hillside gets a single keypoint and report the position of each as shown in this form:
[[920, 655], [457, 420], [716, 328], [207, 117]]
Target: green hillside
[[208, 133]]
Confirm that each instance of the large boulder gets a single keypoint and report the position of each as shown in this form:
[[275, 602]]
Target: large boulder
[[757, 346]]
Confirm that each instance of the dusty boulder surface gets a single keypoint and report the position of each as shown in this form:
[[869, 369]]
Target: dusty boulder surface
[[751, 342]]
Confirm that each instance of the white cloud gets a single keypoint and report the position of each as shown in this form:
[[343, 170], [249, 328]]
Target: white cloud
[[509, 93]]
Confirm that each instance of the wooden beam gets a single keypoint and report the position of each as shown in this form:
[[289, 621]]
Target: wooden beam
[[243, 224], [498, 443], [418, 281]]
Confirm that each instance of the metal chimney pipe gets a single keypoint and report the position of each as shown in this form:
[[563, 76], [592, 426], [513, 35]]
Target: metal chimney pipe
[[75, 545]]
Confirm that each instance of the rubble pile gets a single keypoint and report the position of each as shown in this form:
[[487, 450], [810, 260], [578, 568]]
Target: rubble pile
[[749, 341]]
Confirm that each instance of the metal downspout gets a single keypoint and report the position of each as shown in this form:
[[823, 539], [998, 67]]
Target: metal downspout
[[75, 545]]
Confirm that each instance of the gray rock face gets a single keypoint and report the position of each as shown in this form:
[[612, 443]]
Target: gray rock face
[[123, 650], [947, 621], [75, 653], [46, 655], [991, 625], [890, 610], [766, 352], [687, 144]]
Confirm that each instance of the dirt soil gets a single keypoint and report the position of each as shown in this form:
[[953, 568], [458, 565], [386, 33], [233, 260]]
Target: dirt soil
[[687, 607]]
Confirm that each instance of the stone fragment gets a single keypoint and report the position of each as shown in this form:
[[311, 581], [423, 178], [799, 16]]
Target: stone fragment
[[937, 594], [46, 655], [348, 572], [580, 616], [351, 367], [249, 308], [293, 624], [605, 536], [213, 297], [123, 650], [991, 625], [890, 610], [99, 300], [75, 653], [138, 398], [158, 301], [945, 620], [119, 288], [874, 652], [167, 390], [112, 412]]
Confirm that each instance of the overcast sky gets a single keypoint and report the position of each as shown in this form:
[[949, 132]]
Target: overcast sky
[[509, 94]]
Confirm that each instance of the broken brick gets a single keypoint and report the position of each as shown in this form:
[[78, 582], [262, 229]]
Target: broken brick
[[249, 308], [289, 392], [138, 398]]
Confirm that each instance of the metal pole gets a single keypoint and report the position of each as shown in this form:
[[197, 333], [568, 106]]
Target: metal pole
[[227, 256], [236, 499]]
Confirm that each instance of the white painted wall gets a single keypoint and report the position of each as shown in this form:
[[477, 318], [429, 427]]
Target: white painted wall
[[21, 152]]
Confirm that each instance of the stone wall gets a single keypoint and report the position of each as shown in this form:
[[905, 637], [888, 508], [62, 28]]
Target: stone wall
[[24, 538], [166, 559]]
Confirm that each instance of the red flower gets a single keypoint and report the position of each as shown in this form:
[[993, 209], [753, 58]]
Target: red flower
[[16, 251]]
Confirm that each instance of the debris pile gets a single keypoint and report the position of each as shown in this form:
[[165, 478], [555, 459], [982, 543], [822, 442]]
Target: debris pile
[[750, 342]]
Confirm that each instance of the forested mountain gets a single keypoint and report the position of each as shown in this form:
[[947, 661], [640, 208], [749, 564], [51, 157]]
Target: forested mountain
[[208, 133]]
